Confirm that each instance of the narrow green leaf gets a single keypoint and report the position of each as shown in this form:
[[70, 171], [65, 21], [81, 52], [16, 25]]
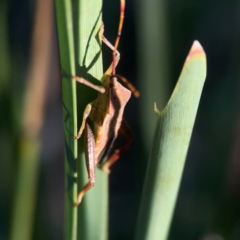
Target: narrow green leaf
[[171, 140], [79, 22], [66, 46], [93, 210]]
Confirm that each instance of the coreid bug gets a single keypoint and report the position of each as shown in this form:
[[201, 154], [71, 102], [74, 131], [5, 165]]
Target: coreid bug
[[106, 113]]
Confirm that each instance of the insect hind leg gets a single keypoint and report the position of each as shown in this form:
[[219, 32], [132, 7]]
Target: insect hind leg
[[89, 143]]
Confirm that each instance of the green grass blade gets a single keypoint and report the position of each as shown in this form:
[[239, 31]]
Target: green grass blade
[[172, 136], [85, 57], [93, 211], [67, 57]]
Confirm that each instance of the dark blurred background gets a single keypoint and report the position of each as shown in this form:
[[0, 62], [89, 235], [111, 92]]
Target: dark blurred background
[[208, 206]]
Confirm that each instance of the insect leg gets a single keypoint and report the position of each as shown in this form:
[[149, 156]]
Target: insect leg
[[89, 143], [85, 116], [111, 47], [116, 54], [115, 51], [85, 82], [126, 132]]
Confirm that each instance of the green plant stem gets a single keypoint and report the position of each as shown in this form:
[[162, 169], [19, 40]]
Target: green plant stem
[[153, 62], [26, 189], [4, 48], [171, 140], [31, 123]]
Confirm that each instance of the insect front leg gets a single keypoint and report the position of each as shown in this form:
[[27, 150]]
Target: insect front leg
[[126, 132], [89, 143], [116, 53], [86, 113]]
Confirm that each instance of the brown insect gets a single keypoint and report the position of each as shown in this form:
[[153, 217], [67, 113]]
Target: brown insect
[[106, 113]]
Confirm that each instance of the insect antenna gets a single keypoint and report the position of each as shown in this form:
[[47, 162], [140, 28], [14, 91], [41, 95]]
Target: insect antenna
[[122, 10]]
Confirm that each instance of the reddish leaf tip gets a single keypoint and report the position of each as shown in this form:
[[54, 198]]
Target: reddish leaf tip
[[195, 50]]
